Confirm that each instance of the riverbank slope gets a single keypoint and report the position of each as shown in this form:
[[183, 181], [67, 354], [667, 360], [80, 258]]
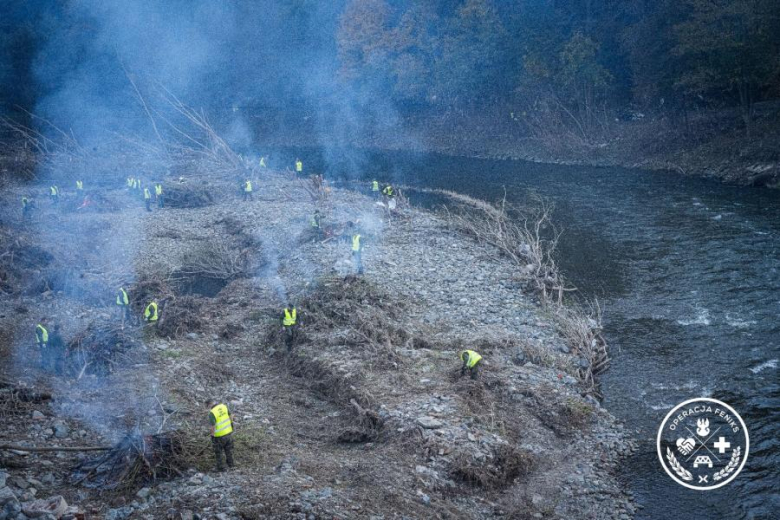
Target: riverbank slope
[[366, 418]]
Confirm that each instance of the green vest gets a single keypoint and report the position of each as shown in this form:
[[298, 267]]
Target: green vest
[[150, 314], [121, 298], [223, 425], [474, 358], [41, 334], [290, 317]]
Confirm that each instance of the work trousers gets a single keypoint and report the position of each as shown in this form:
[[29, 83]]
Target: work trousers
[[160, 201], [148, 203], [290, 335], [220, 445], [357, 258], [473, 371], [248, 195]]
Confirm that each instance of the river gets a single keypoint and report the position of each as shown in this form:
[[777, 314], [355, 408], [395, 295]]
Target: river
[[688, 274]]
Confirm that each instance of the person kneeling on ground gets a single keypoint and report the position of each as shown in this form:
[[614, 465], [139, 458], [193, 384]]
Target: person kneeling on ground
[[470, 363], [221, 433], [290, 325]]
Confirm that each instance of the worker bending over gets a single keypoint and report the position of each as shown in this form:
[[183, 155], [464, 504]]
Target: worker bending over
[[221, 433], [471, 362], [151, 314]]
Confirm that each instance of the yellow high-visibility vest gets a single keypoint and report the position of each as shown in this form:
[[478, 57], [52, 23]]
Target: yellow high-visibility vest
[[41, 334], [388, 190], [375, 186], [147, 195], [54, 191], [298, 166], [315, 221], [473, 358], [150, 314], [130, 182], [79, 185], [158, 189], [290, 317], [356, 242], [262, 162], [223, 425], [248, 187], [121, 298]]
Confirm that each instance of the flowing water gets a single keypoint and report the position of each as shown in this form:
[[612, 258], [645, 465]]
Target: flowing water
[[688, 274]]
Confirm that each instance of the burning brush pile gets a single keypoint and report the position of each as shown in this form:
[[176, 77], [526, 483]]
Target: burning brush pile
[[140, 459]]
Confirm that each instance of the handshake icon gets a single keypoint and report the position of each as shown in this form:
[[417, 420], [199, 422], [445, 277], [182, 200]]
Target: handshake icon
[[684, 446]]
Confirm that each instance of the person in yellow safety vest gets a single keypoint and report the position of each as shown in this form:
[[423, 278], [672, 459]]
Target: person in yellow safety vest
[[290, 325], [158, 194], [375, 188], [316, 223], [150, 313], [222, 424], [124, 305], [54, 191], [79, 185], [357, 248], [298, 166], [42, 340], [471, 362], [129, 182], [248, 190], [148, 199], [262, 162], [388, 191]]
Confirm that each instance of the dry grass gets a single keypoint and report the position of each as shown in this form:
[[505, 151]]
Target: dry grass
[[505, 465]]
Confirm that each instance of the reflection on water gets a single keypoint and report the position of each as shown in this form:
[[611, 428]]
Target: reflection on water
[[688, 272]]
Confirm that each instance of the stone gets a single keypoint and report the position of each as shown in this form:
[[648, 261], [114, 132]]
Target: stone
[[143, 493], [61, 430], [6, 496], [119, 513], [428, 422], [193, 335], [54, 506], [3, 477], [20, 482], [38, 416]]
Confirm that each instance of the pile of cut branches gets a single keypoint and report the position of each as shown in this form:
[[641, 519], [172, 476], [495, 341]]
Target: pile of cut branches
[[99, 350], [355, 312], [17, 400], [139, 459]]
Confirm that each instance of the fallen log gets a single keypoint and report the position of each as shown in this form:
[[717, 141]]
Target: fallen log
[[54, 448]]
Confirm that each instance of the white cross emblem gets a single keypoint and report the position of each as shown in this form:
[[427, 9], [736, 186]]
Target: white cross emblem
[[721, 445], [703, 479]]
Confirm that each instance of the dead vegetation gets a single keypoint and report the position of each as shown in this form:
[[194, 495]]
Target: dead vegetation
[[17, 400], [99, 350], [504, 466], [528, 238], [140, 459], [355, 313], [209, 267]]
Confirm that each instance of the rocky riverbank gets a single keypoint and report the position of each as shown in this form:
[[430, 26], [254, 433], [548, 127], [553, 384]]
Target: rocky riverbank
[[366, 418]]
